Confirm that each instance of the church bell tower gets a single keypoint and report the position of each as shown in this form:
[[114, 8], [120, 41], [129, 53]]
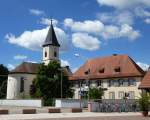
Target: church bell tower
[[50, 46]]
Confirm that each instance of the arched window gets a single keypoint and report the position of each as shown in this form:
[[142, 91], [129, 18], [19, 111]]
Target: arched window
[[45, 54], [55, 54], [22, 84]]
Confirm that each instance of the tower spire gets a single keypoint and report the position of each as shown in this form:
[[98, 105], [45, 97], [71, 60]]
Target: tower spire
[[51, 38], [51, 45]]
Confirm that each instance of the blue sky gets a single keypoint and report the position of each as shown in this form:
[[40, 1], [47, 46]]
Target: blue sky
[[90, 28]]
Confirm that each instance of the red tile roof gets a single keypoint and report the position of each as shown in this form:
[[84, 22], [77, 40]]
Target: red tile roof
[[26, 67], [32, 68], [146, 81], [107, 67]]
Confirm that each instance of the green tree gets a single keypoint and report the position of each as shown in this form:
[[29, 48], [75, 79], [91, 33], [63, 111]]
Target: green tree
[[3, 81], [96, 93], [48, 83], [144, 101]]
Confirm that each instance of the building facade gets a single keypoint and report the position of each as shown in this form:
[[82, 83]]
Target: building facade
[[20, 79], [118, 75]]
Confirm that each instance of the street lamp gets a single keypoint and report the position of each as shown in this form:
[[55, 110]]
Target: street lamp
[[88, 73], [61, 91], [88, 84]]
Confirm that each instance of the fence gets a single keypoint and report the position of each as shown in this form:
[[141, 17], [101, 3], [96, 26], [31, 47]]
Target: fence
[[71, 103], [29, 103], [107, 105]]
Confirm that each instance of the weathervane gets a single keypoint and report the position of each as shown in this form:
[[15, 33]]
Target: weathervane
[[51, 20]]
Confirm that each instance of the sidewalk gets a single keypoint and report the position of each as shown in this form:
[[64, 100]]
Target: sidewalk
[[48, 116]]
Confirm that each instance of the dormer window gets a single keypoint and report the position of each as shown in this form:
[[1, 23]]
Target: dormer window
[[117, 69], [87, 72], [101, 70]]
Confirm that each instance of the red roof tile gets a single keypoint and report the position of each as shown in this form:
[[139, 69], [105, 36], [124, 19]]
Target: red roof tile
[[125, 66], [26, 67], [146, 81], [32, 68]]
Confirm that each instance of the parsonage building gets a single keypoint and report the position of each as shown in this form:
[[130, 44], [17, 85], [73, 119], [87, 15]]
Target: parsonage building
[[118, 75]]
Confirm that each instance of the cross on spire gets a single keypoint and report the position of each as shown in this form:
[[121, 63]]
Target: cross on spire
[[51, 38], [51, 21]]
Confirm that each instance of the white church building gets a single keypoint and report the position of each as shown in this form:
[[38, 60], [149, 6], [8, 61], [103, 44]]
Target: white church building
[[20, 79]]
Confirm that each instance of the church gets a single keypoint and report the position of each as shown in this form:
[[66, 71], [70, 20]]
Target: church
[[20, 79]]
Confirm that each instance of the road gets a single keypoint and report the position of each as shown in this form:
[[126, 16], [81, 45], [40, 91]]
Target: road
[[75, 116]]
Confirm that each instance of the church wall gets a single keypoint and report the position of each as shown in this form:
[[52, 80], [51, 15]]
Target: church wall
[[14, 82]]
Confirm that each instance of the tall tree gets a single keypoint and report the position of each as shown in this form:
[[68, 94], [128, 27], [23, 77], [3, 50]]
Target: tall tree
[[48, 83], [3, 80]]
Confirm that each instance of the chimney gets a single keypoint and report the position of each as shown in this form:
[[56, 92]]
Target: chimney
[[67, 67], [149, 68], [115, 54]]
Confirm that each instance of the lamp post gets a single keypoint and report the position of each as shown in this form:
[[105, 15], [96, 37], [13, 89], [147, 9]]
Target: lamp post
[[88, 73], [80, 94], [61, 84], [88, 83]]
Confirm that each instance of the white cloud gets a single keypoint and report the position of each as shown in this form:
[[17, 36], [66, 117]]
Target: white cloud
[[11, 66], [111, 32], [122, 4], [47, 21], [147, 20], [36, 12], [144, 66], [74, 69], [31, 61], [85, 41], [141, 12], [128, 31], [33, 40], [97, 28], [20, 57], [64, 63], [117, 17], [77, 55], [89, 26]]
